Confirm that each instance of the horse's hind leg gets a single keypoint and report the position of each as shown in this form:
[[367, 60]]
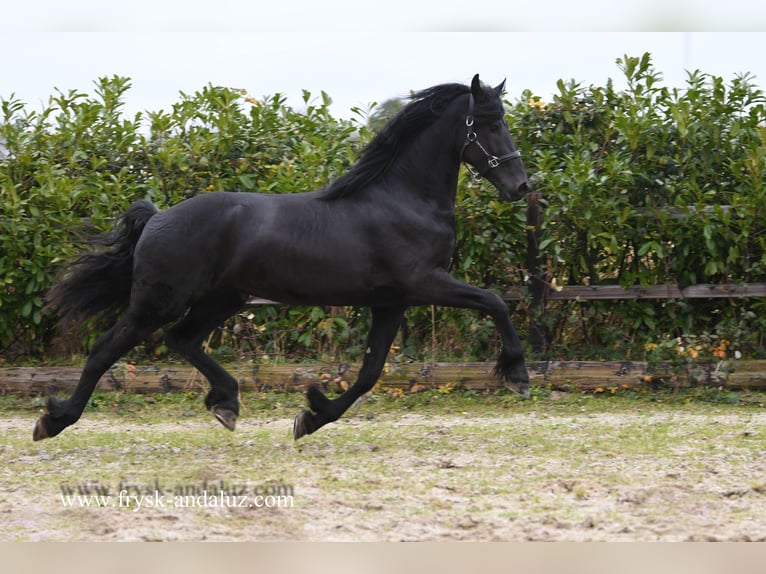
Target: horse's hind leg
[[129, 331], [186, 337], [385, 323]]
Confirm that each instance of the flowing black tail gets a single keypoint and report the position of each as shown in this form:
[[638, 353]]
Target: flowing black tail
[[98, 283]]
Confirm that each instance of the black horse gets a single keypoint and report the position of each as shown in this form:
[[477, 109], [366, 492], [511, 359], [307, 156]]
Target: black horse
[[380, 236]]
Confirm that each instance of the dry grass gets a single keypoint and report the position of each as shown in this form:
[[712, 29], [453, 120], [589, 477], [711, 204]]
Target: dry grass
[[426, 467]]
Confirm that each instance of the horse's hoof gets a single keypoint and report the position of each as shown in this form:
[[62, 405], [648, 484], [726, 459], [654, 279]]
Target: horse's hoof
[[521, 389], [40, 431], [226, 417]]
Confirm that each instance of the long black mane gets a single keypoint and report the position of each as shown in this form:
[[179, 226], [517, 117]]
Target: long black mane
[[425, 107]]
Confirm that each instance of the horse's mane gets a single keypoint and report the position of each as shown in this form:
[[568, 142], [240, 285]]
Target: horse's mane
[[425, 107]]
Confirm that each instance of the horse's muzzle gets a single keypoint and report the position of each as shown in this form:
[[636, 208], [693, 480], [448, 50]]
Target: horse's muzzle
[[515, 194]]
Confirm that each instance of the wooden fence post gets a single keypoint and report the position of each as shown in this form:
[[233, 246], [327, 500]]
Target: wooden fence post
[[538, 335]]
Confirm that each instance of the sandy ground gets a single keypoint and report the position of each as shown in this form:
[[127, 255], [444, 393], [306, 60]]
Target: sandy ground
[[395, 477]]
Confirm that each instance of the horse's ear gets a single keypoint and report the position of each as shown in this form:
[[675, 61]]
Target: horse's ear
[[476, 87], [500, 89]]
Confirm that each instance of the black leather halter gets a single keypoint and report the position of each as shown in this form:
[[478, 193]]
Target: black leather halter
[[471, 138]]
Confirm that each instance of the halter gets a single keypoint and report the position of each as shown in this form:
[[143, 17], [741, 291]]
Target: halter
[[470, 138]]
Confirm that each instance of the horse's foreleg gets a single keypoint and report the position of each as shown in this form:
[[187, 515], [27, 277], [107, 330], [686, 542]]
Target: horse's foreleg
[[385, 324], [61, 413], [443, 289]]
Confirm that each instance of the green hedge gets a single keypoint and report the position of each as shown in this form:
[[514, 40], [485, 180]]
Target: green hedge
[[635, 182], [79, 163], [631, 182]]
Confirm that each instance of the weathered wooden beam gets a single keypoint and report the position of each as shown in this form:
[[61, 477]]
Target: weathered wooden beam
[[558, 375], [667, 291]]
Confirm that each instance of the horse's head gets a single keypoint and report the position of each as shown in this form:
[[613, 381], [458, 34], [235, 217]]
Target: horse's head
[[488, 146]]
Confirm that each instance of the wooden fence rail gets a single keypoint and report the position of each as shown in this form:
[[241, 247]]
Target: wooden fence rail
[[667, 291]]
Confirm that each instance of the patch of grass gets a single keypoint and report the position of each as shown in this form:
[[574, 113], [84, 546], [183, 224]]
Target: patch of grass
[[449, 463], [121, 407], [122, 403]]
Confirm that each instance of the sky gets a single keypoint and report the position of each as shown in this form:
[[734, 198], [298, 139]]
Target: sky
[[362, 53]]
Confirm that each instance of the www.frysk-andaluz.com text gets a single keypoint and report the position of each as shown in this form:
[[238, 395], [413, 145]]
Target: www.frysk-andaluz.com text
[[216, 494]]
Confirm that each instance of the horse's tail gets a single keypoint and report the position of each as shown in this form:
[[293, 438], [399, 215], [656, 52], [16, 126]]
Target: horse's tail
[[98, 283]]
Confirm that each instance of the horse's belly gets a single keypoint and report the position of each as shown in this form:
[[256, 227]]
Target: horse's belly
[[312, 281]]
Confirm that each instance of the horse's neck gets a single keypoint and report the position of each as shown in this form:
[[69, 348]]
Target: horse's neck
[[429, 167]]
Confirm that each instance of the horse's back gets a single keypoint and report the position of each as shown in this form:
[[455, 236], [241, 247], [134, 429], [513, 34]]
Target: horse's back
[[190, 241], [224, 240]]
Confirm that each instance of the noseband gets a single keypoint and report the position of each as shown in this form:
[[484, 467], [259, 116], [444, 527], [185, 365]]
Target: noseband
[[471, 138]]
